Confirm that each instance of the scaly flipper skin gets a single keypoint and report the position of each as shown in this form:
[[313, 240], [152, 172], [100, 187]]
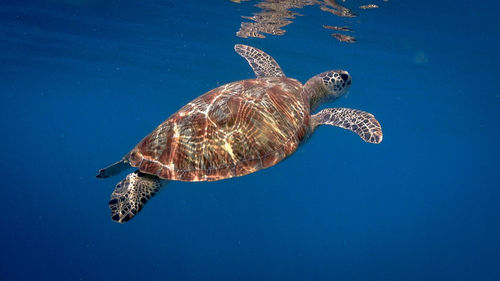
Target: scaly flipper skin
[[132, 193], [262, 64], [362, 123]]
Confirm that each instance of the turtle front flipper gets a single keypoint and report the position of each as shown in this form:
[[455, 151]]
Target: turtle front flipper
[[262, 64], [362, 123], [132, 193]]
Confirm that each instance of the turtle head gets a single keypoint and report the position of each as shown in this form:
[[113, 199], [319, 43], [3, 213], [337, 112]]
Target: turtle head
[[327, 87]]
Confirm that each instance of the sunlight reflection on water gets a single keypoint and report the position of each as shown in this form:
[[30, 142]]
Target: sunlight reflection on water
[[276, 14]]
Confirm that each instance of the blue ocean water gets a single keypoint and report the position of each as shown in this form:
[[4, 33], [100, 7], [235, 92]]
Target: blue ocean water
[[84, 80]]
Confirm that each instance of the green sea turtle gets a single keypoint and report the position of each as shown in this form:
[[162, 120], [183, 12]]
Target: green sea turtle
[[234, 130]]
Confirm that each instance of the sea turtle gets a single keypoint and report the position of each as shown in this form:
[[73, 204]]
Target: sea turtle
[[234, 130]]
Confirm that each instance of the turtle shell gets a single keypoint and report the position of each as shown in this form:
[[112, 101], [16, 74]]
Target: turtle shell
[[233, 130]]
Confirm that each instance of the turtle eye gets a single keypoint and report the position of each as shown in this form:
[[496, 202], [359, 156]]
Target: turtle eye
[[344, 76]]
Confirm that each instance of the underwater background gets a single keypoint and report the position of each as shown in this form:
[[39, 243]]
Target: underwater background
[[82, 81]]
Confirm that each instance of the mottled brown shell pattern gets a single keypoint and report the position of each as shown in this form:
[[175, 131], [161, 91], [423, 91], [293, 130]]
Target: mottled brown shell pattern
[[230, 131]]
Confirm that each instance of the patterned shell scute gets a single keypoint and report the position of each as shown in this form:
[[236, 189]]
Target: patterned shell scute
[[233, 130]]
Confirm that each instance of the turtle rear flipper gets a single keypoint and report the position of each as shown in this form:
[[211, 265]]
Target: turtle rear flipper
[[132, 193], [362, 123], [113, 169]]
